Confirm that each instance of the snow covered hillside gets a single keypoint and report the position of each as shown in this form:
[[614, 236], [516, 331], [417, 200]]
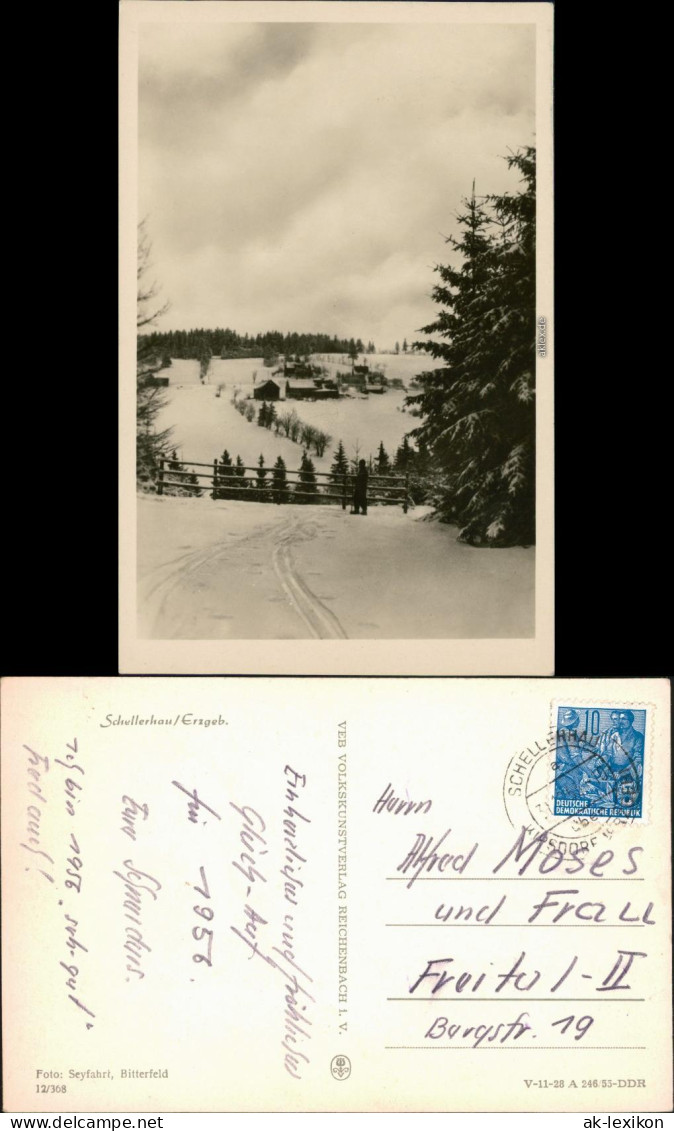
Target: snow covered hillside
[[204, 424]]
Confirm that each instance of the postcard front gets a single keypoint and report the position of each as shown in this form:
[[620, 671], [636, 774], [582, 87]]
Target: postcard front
[[336, 895], [336, 338]]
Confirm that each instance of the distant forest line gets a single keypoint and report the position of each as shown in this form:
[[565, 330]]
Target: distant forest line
[[202, 344]]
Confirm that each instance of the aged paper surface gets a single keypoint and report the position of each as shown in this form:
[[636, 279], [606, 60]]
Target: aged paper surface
[[336, 895], [298, 166]]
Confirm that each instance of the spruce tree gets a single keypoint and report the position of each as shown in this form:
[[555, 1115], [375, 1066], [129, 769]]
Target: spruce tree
[[222, 477], [179, 481], [307, 477], [204, 356], [478, 416], [340, 465], [404, 456], [422, 458], [279, 490], [382, 461], [240, 473], [262, 487], [382, 466], [512, 329]]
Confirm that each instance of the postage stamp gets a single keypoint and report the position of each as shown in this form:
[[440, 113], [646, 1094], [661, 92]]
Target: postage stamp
[[599, 753]]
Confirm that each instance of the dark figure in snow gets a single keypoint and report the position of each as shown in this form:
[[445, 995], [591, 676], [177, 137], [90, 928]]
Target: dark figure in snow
[[360, 489]]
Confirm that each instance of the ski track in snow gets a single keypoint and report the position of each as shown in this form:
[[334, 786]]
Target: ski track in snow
[[166, 581], [321, 621]]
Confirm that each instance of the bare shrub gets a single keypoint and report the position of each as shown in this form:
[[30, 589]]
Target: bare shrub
[[285, 422], [321, 441], [307, 435]]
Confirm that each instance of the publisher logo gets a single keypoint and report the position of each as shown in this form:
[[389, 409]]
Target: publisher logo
[[340, 1066]]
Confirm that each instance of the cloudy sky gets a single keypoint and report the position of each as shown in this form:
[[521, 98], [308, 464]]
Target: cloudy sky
[[302, 176]]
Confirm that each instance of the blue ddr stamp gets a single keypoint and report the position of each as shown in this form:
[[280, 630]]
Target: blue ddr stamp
[[599, 761]]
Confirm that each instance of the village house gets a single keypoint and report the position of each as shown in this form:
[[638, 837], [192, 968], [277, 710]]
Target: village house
[[268, 390], [305, 389], [302, 369]]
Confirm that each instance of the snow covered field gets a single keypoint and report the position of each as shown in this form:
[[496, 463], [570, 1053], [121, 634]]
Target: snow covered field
[[239, 570], [403, 365], [204, 424]]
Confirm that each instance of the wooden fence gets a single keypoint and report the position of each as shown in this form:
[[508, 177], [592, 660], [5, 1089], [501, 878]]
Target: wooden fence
[[228, 479]]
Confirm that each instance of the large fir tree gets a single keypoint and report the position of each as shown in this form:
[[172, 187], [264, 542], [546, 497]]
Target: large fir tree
[[478, 415]]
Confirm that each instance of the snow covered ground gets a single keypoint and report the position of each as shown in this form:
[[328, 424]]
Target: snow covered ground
[[403, 365], [182, 371], [238, 570], [204, 424], [185, 371]]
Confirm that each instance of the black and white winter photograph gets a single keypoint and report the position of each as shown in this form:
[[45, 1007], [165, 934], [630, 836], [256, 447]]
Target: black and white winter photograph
[[339, 441]]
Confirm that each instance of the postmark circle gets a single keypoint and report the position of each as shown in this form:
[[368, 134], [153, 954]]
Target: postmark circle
[[531, 779]]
